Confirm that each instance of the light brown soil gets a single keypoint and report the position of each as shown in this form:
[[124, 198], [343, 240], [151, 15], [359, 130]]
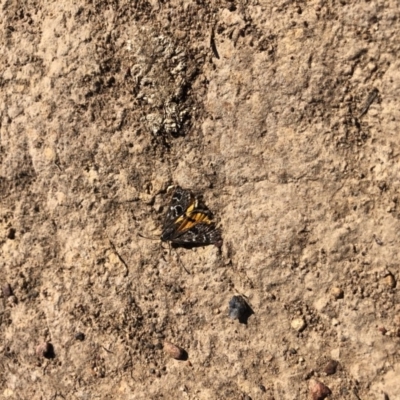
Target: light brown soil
[[260, 106]]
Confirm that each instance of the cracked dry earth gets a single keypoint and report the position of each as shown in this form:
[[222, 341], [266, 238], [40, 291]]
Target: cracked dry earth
[[284, 115]]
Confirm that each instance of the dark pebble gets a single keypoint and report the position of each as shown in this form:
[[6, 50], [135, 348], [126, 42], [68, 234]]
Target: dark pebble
[[80, 336], [318, 391], [7, 291], [331, 367], [45, 350], [11, 233], [262, 388], [239, 309]]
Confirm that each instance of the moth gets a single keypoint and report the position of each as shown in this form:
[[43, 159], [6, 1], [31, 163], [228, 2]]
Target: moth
[[188, 222]]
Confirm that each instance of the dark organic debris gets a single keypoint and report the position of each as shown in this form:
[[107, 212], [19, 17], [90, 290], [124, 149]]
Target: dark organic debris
[[212, 43], [371, 97]]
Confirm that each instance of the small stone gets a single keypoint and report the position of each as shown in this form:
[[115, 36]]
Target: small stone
[[330, 367], [14, 111], [382, 330], [45, 350], [318, 391], [335, 322], [12, 301], [239, 309], [7, 291], [371, 66], [80, 336], [389, 281], [8, 393], [298, 324], [175, 351], [11, 234], [346, 70], [337, 293], [180, 34]]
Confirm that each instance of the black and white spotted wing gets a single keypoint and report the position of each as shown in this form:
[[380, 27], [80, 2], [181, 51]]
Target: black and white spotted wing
[[180, 202], [200, 234]]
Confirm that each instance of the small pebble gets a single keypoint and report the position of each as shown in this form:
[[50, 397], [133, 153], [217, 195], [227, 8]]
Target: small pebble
[[12, 301], [45, 350], [238, 308], [334, 322], [371, 66], [382, 330], [7, 291], [330, 367], [318, 391], [389, 281], [80, 336], [175, 351], [298, 324], [337, 293]]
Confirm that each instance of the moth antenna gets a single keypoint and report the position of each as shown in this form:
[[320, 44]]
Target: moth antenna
[[146, 237], [179, 259]]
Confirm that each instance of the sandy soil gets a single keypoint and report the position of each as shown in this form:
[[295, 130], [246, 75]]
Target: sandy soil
[[284, 115]]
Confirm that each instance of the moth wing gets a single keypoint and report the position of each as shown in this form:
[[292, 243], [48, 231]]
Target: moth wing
[[181, 201], [198, 234]]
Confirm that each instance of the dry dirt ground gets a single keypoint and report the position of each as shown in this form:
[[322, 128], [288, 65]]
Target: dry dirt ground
[[284, 115]]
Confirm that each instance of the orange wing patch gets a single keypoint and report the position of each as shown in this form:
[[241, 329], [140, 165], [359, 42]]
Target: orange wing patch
[[187, 222]]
